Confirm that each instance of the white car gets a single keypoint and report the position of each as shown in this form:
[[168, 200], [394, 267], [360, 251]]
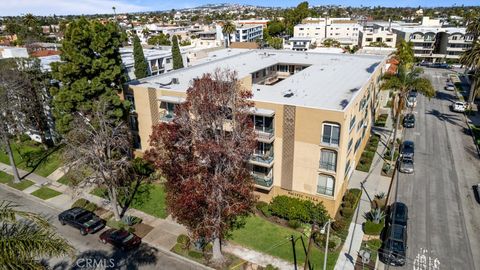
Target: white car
[[450, 87], [411, 101], [459, 106]]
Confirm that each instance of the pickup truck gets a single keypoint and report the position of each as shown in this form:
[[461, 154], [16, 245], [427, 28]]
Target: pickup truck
[[84, 220]]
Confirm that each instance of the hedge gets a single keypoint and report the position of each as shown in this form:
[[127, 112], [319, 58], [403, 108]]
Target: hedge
[[85, 204], [297, 209]]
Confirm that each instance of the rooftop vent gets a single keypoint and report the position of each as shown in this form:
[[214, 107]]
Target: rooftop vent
[[175, 81], [288, 93], [354, 90]]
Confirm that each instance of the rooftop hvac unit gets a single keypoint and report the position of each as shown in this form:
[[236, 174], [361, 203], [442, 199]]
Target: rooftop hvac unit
[[175, 81]]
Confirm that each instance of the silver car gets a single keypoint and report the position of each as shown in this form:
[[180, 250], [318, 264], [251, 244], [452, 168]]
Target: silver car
[[406, 165]]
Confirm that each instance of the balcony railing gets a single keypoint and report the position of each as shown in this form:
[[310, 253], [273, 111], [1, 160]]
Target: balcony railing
[[265, 159], [264, 134], [167, 117], [263, 180]]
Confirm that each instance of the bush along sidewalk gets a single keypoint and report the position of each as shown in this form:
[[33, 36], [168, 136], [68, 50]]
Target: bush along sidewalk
[[346, 212], [368, 154], [375, 219]]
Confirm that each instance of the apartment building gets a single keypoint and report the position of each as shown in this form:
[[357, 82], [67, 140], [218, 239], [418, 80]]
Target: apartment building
[[368, 36], [343, 30], [312, 124], [247, 33], [159, 61]]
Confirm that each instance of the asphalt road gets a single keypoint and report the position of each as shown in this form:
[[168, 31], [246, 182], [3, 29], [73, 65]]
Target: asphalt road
[[92, 254], [444, 216]]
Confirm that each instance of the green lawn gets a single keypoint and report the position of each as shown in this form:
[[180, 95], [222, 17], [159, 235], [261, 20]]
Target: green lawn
[[5, 177], [45, 193], [24, 184], [264, 236], [152, 202], [29, 154], [65, 180]]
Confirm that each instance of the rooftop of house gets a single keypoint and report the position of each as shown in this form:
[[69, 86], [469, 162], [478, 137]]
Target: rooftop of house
[[330, 81]]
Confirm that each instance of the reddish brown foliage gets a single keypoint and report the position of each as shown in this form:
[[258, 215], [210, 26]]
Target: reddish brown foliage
[[203, 154]]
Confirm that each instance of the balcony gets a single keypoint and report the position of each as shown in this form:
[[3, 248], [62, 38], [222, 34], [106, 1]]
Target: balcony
[[168, 117], [262, 160], [264, 134], [263, 181]]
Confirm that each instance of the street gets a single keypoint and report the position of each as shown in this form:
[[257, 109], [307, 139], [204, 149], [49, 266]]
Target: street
[[91, 253], [444, 217]]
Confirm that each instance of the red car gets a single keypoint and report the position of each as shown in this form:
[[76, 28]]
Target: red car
[[121, 239]]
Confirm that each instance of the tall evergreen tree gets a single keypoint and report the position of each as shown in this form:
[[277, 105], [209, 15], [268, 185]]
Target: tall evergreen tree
[[141, 66], [176, 54], [91, 69]]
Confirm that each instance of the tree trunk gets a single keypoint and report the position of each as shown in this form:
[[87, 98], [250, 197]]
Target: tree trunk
[[472, 94], [217, 256], [395, 128], [16, 176], [112, 192]]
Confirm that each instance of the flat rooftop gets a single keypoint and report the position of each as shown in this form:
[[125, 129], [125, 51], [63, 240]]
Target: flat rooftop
[[329, 82]]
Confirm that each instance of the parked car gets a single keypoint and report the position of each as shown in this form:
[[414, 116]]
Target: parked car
[[409, 120], [406, 164], [84, 220], [450, 86], [398, 214], [394, 248], [459, 106], [121, 239], [411, 101], [408, 149]]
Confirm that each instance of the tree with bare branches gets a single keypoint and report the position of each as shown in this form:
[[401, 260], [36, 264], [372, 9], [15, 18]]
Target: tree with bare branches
[[203, 155], [98, 151]]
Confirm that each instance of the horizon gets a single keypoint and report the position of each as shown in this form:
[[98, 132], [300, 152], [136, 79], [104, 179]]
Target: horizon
[[92, 7]]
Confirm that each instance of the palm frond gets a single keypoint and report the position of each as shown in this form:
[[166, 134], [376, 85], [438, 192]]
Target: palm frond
[[424, 86], [9, 212], [16, 264]]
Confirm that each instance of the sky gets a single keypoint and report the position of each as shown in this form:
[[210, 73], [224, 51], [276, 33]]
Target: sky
[[76, 7]]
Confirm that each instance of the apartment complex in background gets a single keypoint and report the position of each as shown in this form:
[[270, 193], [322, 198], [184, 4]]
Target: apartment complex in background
[[316, 30], [434, 43], [312, 124], [247, 33], [369, 36]]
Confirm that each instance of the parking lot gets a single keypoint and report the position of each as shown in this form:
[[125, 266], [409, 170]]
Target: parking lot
[[444, 217]]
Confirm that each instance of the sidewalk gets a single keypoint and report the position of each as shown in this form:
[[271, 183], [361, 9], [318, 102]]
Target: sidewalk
[[374, 183]]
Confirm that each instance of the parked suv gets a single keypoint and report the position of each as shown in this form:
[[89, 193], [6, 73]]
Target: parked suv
[[408, 149], [409, 120], [394, 248], [84, 220], [398, 214]]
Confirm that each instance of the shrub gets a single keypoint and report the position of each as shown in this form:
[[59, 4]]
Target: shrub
[[208, 248], [184, 241], [339, 225], [347, 204], [369, 154], [24, 138], [291, 208], [195, 254], [91, 207], [131, 220], [270, 267], [85, 204], [261, 205], [371, 228], [294, 224], [347, 212]]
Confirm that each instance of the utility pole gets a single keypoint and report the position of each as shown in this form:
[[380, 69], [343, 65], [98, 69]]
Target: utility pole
[[327, 224], [310, 243], [294, 253]]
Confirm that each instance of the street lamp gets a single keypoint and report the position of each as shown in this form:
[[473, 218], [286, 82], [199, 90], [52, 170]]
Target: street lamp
[[322, 231]]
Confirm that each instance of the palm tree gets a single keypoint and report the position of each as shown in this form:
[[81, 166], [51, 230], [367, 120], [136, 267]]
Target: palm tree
[[26, 237], [402, 83], [228, 29], [404, 54], [471, 57]]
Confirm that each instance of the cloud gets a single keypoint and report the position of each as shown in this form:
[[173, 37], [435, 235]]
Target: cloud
[[67, 7]]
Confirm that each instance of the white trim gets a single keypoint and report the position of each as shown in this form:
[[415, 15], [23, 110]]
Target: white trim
[[171, 99], [262, 112]]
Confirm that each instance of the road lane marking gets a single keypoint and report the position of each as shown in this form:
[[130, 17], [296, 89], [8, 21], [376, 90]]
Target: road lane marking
[[424, 261]]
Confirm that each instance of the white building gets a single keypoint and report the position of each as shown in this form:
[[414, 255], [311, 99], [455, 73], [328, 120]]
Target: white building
[[12, 52], [247, 33], [159, 61], [343, 30], [366, 37]]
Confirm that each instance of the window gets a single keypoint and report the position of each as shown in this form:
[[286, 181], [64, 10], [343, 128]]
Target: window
[[328, 160], [357, 144], [133, 122], [347, 167], [326, 185], [300, 28], [360, 124], [168, 60], [350, 143], [352, 122], [331, 134]]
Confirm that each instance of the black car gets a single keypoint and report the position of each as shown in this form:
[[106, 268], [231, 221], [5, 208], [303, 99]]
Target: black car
[[84, 220], [409, 120], [394, 248], [408, 149], [398, 214], [121, 239]]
